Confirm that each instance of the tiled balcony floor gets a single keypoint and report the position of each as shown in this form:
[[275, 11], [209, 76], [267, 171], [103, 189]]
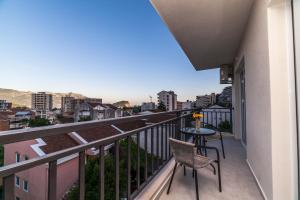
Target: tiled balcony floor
[[237, 180]]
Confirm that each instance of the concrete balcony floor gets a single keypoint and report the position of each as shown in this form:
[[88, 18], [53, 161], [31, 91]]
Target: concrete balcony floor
[[237, 180]]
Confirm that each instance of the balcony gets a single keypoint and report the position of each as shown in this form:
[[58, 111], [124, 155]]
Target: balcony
[[144, 168]]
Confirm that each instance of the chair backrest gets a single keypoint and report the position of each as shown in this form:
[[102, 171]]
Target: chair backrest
[[183, 151]]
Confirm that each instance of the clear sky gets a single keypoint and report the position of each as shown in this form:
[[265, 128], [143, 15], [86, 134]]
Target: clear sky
[[114, 49]]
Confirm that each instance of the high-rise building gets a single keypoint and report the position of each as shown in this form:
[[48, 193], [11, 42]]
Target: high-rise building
[[42, 103], [169, 99], [67, 104]]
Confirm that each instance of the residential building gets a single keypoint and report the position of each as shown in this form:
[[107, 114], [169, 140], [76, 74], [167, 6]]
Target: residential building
[[225, 98], [206, 100], [4, 105], [67, 104], [179, 105], [187, 105], [42, 103], [93, 100], [96, 111], [148, 106], [169, 99]]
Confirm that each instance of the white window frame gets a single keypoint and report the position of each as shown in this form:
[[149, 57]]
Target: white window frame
[[26, 190], [17, 178]]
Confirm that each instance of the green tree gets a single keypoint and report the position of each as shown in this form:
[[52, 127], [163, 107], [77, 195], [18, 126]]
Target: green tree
[[136, 109], [85, 118], [161, 106], [38, 122]]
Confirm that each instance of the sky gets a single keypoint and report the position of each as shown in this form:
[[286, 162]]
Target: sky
[[111, 49]]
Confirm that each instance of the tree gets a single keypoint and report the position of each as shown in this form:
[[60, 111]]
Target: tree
[[38, 122], [136, 109], [161, 106]]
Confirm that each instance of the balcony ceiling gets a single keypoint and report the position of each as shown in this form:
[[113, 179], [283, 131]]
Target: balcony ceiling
[[208, 31]]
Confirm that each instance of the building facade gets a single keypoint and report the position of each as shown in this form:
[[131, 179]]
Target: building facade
[[147, 106], [205, 100], [42, 103], [67, 104], [4, 105], [225, 98], [169, 99]]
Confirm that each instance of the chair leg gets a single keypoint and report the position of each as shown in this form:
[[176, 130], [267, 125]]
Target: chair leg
[[223, 151], [172, 178], [193, 174], [196, 184], [219, 176], [213, 168], [184, 171]]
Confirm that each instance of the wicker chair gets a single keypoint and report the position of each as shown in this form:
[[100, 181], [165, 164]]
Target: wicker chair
[[185, 153]]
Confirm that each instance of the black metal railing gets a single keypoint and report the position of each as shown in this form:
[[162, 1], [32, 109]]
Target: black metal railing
[[151, 140]]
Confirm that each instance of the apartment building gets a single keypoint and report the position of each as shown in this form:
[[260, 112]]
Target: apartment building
[[147, 106], [225, 98], [206, 100], [4, 105], [169, 99], [67, 104], [42, 103]]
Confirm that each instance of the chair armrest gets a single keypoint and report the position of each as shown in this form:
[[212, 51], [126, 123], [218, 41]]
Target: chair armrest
[[212, 148]]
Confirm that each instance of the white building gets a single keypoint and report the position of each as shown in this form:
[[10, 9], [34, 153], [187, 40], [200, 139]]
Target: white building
[[147, 106], [187, 105], [169, 99]]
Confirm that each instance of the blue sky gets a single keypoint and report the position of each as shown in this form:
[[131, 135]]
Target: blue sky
[[117, 50]]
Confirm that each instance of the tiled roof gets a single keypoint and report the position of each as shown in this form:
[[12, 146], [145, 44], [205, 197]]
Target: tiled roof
[[56, 143]]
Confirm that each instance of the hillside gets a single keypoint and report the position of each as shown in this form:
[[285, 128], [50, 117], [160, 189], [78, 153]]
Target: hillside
[[23, 98]]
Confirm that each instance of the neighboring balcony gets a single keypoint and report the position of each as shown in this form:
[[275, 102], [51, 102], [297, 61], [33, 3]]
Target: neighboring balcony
[[134, 163]]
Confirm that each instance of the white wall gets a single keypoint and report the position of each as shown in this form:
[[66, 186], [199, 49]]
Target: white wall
[[270, 99], [254, 49]]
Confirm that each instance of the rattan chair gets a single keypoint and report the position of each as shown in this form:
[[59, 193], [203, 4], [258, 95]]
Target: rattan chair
[[185, 154]]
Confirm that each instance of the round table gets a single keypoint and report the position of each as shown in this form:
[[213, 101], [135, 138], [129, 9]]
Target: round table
[[199, 135]]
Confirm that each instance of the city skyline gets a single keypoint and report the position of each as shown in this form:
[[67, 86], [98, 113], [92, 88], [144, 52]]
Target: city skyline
[[75, 47]]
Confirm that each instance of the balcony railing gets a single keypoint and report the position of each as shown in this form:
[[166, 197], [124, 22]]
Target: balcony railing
[[156, 149]]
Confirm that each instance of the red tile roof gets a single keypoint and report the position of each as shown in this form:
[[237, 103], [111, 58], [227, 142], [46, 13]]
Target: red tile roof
[[56, 143]]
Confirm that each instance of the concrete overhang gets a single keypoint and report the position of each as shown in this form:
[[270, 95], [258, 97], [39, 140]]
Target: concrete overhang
[[208, 31]]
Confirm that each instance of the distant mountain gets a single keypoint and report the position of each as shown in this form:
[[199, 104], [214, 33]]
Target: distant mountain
[[22, 98], [121, 104]]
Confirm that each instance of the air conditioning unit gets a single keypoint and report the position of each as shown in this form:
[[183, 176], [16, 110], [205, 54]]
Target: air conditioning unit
[[226, 74]]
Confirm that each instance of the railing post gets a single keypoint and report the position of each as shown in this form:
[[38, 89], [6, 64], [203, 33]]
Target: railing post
[[82, 175], [138, 162], [166, 141], [52, 180], [9, 187], [152, 152], [162, 143], [117, 171], [101, 172], [146, 155], [157, 146], [128, 167]]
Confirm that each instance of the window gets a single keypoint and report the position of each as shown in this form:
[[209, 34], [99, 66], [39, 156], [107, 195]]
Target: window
[[17, 157], [25, 186], [17, 181], [26, 157]]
